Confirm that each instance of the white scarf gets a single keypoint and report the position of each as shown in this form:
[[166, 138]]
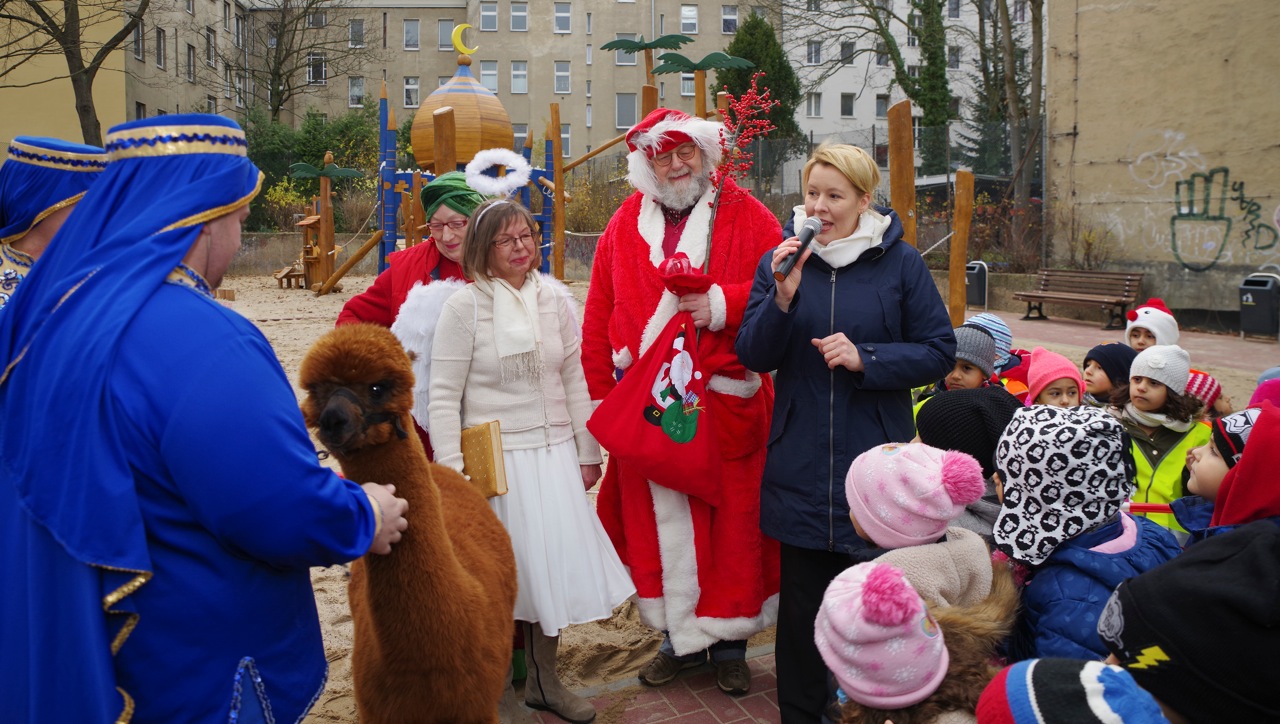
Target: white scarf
[[1155, 419], [843, 252], [516, 333]]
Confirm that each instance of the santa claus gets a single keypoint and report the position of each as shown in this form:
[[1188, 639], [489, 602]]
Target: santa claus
[[705, 575]]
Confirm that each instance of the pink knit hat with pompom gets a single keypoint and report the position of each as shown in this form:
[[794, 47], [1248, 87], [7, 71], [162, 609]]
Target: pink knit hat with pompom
[[905, 494], [877, 637], [1048, 367]]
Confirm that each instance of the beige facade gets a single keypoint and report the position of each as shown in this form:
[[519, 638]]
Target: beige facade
[[1161, 138]]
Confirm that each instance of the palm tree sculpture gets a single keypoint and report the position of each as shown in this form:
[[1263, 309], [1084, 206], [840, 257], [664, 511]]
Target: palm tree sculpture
[[676, 63], [666, 42]]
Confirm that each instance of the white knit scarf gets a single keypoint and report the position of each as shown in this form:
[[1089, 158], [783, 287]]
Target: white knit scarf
[[843, 252], [516, 333], [1156, 419]]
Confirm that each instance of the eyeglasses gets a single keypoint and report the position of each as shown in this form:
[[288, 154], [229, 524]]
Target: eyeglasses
[[685, 153], [505, 242], [456, 224]]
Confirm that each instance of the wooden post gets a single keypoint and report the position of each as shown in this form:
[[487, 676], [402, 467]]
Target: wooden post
[[648, 99], [700, 93], [722, 105], [557, 208], [351, 261], [444, 140], [326, 220], [648, 68], [902, 169], [960, 222]]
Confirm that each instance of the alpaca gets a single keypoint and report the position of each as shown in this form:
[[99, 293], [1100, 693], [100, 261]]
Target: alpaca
[[433, 618]]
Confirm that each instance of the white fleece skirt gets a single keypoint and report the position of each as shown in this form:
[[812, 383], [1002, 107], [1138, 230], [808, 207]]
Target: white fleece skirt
[[566, 567]]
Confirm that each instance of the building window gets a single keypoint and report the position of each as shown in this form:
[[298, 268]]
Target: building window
[[317, 72], [686, 84], [441, 80], [662, 24], [273, 34], [621, 57], [411, 91], [1019, 11], [913, 23], [846, 105], [813, 53], [191, 63], [191, 7], [689, 19], [813, 105], [210, 104], [139, 111], [240, 82], [384, 39], [953, 108], [161, 51], [412, 36], [882, 106], [226, 81], [139, 42], [626, 104], [588, 23], [847, 51], [728, 19], [521, 133], [953, 8], [882, 55], [562, 22], [913, 71], [519, 76], [953, 57], [316, 20], [210, 48], [355, 91], [489, 74], [588, 115], [489, 17], [885, 5], [588, 89], [444, 35], [588, 54], [562, 76], [662, 90], [519, 17], [882, 155], [355, 33], [564, 140], [813, 6], [239, 32], [226, 16]]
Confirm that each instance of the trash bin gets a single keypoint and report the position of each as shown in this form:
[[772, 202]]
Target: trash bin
[[1260, 305], [975, 283]]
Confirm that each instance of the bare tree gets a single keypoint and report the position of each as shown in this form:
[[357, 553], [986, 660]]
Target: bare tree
[[1023, 118], [296, 46], [73, 29]]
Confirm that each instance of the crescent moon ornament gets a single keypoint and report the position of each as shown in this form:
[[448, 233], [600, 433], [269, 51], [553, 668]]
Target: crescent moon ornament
[[457, 40]]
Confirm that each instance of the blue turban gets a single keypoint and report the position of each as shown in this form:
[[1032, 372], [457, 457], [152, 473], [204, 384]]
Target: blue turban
[[40, 176]]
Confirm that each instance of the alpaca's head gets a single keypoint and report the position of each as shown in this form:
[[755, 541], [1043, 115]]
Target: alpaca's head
[[359, 384]]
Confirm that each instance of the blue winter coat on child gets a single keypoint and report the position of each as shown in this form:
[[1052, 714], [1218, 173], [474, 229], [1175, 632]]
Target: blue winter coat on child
[[1066, 594]]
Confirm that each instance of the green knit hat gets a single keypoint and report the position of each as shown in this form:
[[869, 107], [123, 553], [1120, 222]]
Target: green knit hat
[[450, 189]]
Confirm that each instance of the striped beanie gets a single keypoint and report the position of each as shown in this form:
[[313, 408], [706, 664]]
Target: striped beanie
[[1203, 387], [999, 331], [1065, 691]]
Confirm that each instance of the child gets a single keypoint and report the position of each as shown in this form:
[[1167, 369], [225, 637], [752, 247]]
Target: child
[[971, 421], [1150, 323], [905, 496], [1267, 390], [1206, 389], [1106, 367], [1003, 336], [1066, 691], [1248, 491], [1207, 466], [1065, 474], [896, 659], [1053, 380], [1161, 419], [975, 361], [1201, 632]]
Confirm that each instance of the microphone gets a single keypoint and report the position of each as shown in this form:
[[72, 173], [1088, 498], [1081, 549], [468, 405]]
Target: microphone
[[812, 226]]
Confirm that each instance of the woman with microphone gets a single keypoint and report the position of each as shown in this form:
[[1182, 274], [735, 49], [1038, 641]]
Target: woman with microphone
[[850, 330]]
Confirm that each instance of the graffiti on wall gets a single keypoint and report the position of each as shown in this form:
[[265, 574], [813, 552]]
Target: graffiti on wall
[[1201, 226], [1162, 156]]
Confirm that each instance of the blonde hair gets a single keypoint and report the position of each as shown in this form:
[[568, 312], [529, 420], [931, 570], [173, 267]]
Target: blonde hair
[[487, 221], [852, 162]]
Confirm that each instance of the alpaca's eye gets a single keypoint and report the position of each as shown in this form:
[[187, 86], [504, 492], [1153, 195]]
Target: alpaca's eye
[[377, 389]]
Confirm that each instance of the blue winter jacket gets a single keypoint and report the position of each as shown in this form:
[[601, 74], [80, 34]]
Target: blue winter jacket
[[886, 304], [1065, 597], [1195, 513]]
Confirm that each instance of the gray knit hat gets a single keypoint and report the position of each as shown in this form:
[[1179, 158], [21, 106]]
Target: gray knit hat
[[976, 345], [1168, 364]]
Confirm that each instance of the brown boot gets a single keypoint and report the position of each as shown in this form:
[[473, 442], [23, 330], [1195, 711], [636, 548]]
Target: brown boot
[[542, 687], [510, 711]]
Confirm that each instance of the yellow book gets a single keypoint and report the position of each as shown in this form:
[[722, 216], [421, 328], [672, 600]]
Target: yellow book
[[482, 458]]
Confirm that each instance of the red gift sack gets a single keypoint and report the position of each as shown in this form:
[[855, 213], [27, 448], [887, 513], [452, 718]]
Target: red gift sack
[[656, 421]]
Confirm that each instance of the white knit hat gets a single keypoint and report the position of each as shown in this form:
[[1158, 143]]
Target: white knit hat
[[1153, 316], [1167, 364]]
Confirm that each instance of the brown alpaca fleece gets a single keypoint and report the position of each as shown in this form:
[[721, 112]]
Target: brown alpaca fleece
[[432, 619], [972, 635]]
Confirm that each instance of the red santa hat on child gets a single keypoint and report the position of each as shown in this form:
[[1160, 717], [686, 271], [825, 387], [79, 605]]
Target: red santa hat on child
[[662, 131], [1153, 316]]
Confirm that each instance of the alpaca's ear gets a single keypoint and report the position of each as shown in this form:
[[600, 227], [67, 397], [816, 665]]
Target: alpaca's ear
[[413, 356]]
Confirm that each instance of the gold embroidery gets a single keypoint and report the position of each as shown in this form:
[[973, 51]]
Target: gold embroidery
[[127, 713], [42, 216], [23, 353], [175, 147], [212, 214], [100, 159]]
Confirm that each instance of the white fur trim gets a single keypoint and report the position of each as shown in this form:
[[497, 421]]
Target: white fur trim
[[415, 327], [518, 172], [622, 358], [719, 308], [567, 300], [675, 611], [744, 388], [706, 134], [693, 238], [668, 305]]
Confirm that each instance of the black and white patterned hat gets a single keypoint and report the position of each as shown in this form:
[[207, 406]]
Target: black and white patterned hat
[[1064, 470]]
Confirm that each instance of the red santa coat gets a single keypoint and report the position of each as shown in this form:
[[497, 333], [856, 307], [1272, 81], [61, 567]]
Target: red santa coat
[[703, 574]]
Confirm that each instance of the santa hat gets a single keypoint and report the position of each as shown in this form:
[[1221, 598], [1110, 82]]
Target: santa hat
[[1048, 367], [661, 132], [1153, 316], [1248, 492], [1065, 691], [877, 637], [906, 494], [1203, 387]]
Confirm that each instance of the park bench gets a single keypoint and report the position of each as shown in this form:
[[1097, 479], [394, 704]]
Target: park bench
[[1112, 292]]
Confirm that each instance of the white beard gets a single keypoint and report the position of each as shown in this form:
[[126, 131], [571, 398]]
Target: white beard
[[681, 196]]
